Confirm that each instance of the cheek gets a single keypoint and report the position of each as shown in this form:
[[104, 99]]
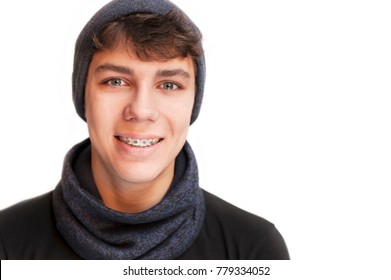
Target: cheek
[[181, 119], [100, 108], [88, 101], [91, 106], [185, 106], [98, 116], [181, 114]]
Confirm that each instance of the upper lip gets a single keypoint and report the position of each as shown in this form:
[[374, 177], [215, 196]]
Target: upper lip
[[138, 136]]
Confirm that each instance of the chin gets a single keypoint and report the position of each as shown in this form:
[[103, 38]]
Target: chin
[[142, 174]]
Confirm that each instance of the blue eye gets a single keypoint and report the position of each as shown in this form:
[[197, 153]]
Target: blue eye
[[169, 86], [115, 82]]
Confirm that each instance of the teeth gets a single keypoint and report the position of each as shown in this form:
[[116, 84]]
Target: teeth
[[139, 142]]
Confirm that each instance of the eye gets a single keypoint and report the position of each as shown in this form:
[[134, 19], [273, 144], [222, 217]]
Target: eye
[[116, 82], [169, 86]]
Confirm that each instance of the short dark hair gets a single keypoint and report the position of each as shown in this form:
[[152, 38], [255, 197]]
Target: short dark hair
[[153, 36]]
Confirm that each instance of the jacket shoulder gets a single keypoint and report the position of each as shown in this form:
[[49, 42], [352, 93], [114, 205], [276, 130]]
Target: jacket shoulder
[[232, 217], [230, 232], [28, 231], [25, 213]]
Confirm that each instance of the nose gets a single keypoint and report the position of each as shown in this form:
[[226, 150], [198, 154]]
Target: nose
[[141, 106]]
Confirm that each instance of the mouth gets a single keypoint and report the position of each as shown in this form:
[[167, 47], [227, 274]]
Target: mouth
[[139, 143]]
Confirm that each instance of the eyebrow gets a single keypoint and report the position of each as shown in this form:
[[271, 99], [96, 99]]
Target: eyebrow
[[172, 73], [114, 68], [127, 71]]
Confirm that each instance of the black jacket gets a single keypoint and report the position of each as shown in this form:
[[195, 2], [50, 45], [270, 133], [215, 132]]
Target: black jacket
[[28, 231]]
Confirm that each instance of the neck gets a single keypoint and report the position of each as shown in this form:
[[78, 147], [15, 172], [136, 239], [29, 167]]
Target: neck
[[131, 197]]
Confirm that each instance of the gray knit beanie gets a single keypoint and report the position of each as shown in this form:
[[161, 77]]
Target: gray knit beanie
[[114, 10]]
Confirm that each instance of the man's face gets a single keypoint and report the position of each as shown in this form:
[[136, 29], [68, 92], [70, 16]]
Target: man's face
[[138, 115]]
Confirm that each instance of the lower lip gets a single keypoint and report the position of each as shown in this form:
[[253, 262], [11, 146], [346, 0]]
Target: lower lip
[[137, 151]]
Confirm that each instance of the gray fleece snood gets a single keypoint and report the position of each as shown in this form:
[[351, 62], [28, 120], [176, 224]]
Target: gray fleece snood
[[84, 48]]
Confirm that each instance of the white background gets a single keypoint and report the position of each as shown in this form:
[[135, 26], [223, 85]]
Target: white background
[[295, 125]]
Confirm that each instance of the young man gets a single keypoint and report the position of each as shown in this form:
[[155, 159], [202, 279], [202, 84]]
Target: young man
[[131, 190]]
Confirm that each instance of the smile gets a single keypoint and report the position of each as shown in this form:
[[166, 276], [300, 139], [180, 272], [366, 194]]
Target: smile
[[141, 143]]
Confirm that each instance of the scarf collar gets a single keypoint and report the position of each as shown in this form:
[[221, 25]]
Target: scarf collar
[[94, 231]]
